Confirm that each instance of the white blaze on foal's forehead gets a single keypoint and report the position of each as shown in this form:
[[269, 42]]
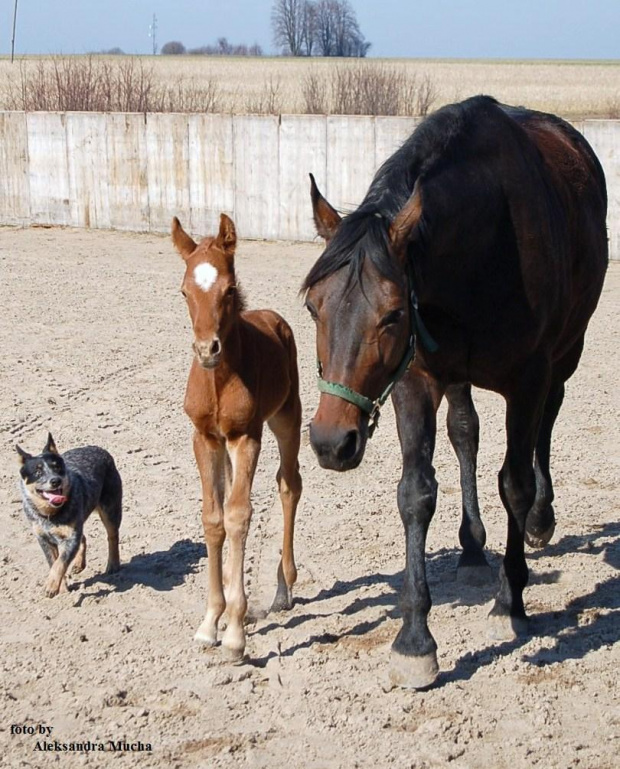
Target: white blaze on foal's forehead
[[205, 275]]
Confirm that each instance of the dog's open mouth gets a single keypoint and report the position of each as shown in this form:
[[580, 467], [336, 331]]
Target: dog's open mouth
[[52, 497]]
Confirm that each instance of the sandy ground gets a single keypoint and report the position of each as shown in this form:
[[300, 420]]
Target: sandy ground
[[96, 347]]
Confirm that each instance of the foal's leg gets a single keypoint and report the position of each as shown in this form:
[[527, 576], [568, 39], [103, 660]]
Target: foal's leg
[[517, 488], [286, 426], [244, 453], [464, 431], [413, 661], [209, 457], [540, 523]]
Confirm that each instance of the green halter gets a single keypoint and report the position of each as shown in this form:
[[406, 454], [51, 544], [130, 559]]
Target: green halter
[[367, 405]]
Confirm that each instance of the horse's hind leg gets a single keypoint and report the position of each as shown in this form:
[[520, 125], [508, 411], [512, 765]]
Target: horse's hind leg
[[209, 458], [111, 512], [540, 523], [464, 431], [286, 426], [517, 488]]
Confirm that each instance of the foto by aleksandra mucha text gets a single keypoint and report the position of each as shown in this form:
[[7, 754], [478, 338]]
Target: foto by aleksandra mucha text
[[43, 733]]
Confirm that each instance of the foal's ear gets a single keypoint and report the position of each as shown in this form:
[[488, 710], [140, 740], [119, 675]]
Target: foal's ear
[[326, 218], [227, 236], [182, 241], [402, 229], [24, 456], [50, 446]]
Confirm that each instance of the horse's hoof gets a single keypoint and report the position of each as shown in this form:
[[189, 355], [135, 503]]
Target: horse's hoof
[[540, 538], [411, 672], [475, 575], [232, 655], [506, 628]]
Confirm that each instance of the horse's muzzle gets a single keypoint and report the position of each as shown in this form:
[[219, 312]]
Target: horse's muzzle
[[337, 448]]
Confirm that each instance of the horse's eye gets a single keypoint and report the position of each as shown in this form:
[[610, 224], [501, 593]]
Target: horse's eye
[[391, 318], [184, 292], [312, 310], [231, 290]]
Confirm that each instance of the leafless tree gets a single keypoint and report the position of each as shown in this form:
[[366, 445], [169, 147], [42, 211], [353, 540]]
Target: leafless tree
[[337, 30], [287, 25]]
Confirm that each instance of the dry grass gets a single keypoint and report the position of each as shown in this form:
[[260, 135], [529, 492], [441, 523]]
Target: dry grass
[[570, 88]]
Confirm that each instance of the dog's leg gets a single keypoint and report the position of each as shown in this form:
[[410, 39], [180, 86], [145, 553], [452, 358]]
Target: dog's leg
[[79, 562], [111, 512], [67, 550]]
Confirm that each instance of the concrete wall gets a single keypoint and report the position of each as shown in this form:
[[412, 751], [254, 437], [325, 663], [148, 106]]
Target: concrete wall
[[134, 172]]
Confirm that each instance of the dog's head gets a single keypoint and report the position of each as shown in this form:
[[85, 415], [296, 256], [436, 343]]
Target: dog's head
[[45, 477]]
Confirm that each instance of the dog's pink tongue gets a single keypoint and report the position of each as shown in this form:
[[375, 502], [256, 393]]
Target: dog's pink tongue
[[55, 499]]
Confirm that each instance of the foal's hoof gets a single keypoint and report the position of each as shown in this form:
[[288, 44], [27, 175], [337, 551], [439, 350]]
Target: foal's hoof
[[206, 635], [411, 672], [232, 655], [283, 600], [538, 539], [475, 575], [505, 628]]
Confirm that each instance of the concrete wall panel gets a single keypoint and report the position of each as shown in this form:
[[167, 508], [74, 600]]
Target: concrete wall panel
[[211, 172], [15, 195], [127, 172], [48, 168], [303, 150], [350, 160], [167, 160], [604, 136], [88, 169], [257, 196]]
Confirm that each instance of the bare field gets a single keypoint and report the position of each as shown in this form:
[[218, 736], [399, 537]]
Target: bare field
[[574, 89], [96, 344]]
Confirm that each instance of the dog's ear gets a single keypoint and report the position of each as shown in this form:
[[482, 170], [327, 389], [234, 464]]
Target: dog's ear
[[50, 446], [24, 456]]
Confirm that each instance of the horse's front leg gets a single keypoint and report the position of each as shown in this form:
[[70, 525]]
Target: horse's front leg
[[413, 661], [243, 453], [210, 459]]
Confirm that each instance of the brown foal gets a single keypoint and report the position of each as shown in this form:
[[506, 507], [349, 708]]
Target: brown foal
[[244, 373]]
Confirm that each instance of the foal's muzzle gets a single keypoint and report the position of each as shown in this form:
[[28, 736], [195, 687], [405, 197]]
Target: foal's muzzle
[[208, 354], [337, 448]]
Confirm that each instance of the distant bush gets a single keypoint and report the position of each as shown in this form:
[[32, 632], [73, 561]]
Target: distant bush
[[91, 84], [224, 48], [173, 48], [368, 89]]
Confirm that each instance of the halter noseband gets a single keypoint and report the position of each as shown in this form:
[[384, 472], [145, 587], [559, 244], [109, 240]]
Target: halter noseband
[[373, 407]]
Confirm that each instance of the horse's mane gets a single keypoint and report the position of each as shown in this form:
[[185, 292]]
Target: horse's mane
[[364, 232]]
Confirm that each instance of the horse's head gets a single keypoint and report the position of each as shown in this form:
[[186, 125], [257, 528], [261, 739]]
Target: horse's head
[[358, 296], [210, 288]]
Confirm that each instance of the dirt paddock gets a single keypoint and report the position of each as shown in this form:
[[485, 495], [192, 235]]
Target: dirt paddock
[[96, 347]]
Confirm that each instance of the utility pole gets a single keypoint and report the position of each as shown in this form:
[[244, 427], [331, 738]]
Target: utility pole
[[13, 38], [152, 33]]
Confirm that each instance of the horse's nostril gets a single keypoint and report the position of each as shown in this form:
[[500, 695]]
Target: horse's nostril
[[347, 448], [216, 347]]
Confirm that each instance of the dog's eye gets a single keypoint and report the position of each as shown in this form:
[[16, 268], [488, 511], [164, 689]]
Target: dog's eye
[[38, 470]]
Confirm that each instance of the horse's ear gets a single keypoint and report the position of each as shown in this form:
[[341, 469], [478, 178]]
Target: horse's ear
[[182, 241], [50, 446], [227, 236], [326, 218], [405, 222], [24, 456]]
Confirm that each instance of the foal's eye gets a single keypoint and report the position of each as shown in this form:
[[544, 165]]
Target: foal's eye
[[231, 291], [391, 318], [184, 292]]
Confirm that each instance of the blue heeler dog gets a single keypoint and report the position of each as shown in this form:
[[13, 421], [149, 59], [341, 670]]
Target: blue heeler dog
[[59, 492]]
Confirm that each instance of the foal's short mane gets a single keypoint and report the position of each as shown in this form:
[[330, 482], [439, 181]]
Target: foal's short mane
[[365, 231]]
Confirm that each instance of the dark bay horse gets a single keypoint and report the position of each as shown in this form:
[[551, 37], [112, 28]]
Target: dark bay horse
[[482, 242], [244, 374]]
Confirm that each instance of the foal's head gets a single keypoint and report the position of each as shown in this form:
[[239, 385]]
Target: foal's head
[[210, 288]]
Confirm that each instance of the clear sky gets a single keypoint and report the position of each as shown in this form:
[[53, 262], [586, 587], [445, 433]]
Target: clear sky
[[565, 29]]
